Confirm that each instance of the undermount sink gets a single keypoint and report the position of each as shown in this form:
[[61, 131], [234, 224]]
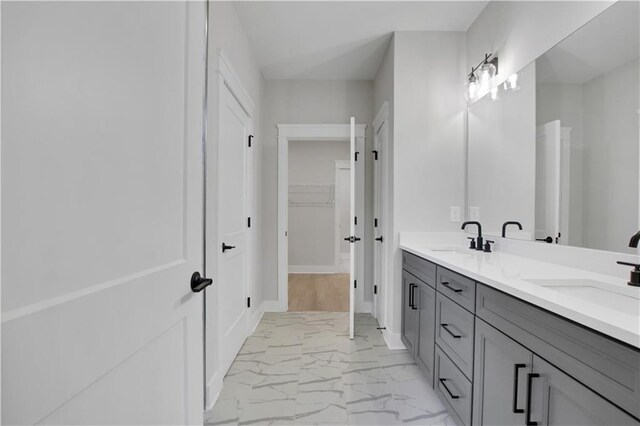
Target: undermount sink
[[451, 251], [596, 292]]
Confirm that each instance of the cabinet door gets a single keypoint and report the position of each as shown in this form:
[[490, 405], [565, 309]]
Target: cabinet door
[[408, 311], [426, 302], [500, 375], [559, 399]]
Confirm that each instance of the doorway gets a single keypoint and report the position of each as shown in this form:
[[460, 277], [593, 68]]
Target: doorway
[[313, 193], [319, 215]]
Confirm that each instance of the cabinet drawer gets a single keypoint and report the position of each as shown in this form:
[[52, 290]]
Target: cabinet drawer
[[458, 288], [420, 268], [607, 366], [453, 388], [454, 333]]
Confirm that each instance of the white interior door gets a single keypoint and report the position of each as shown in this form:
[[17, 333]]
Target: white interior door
[[352, 229], [233, 312], [548, 182], [102, 212], [379, 143]]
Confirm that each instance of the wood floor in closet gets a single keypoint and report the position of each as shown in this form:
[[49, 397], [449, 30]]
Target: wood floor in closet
[[319, 292]]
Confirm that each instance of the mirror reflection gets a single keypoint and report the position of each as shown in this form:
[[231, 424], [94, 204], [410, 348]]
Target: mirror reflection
[[562, 156]]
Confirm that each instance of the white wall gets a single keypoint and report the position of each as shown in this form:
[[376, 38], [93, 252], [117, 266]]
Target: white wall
[[428, 139], [610, 105], [312, 237], [226, 33], [520, 31], [308, 102]]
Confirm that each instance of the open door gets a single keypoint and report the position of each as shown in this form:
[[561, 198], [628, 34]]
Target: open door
[[352, 230], [102, 192], [379, 143], [552, 183]]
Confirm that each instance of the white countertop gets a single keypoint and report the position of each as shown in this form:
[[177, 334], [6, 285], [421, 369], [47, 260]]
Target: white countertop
[[602, 302]]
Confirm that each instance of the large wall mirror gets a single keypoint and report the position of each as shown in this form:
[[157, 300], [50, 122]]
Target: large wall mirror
[[561, 153]]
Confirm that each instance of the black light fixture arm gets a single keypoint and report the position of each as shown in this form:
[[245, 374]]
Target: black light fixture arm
[[488, 58]]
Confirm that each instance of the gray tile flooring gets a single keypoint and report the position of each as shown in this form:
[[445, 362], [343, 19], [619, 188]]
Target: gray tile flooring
[[301, 368]]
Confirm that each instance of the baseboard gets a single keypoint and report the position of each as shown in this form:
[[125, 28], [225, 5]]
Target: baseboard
[[256, 317], [393, 340], [274, 306], [214, 387], [312, 269]]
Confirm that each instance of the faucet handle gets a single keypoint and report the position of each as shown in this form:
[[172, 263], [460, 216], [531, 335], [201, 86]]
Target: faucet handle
[[634, 279], [487, 246], [472, 243]]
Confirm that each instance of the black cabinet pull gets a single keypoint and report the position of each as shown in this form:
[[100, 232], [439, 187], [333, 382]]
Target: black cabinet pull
[[516, 369], [446, 284], [199, 283], [446, 327], [411, 295], [442, 381], [226, 247], [530, 378]]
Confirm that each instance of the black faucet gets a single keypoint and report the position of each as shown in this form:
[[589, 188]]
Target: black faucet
[[511, 222], [479, 238], [634, 240]]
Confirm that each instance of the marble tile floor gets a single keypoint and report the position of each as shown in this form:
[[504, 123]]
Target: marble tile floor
[[301, 368]]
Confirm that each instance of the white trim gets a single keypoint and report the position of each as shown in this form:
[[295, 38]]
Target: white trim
[[256, 318], [232, 81], [214, 387], [381, 116], [316, 133], [393, 340], [312, 269]]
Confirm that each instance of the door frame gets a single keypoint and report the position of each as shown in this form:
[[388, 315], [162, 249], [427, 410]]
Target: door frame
[[382, 118], [338, 165], [316, 133]]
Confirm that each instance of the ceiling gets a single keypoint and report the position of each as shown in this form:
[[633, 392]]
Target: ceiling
[[330, 40], [605, 43]]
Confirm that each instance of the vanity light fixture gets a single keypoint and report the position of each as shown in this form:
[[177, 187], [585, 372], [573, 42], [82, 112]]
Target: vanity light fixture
[[487, 69]]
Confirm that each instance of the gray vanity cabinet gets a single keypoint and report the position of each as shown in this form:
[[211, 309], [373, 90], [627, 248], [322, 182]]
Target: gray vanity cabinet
[[424, 355], [501, 368], [409, 311], [558, 400]]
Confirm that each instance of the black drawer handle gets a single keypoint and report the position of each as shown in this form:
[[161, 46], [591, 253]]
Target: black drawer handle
[[442, 381], [530, 378], [516, 369], [411, 295], [446, 327], [446, 284]]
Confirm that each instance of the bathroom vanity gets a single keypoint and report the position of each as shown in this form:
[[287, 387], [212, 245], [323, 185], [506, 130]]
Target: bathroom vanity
[[498, 350]]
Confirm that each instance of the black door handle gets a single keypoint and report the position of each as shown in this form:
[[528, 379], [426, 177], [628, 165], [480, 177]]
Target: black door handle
[[226, 247], [199, 283], [446, 327], [530, 378], [349, 239], [516, 369], [447, 388], [356, 239], [379, 239], [547, 240]]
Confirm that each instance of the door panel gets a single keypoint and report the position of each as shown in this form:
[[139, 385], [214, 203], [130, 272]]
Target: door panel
[[565, 401], [235, 127], [497, 361], [352, 229], [102, 211]]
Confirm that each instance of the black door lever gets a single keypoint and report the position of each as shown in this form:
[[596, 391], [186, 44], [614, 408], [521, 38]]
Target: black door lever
[[226, 247], [199, 283], [379, 239]]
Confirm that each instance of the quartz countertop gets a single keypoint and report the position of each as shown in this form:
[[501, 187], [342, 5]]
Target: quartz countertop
[[604, 303]]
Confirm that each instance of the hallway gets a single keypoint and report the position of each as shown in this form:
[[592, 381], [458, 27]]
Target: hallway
[[300, 368]]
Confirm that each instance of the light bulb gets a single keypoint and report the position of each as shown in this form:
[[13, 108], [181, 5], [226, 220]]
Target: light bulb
[[485, 78], [472, 87], [494, 93]]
